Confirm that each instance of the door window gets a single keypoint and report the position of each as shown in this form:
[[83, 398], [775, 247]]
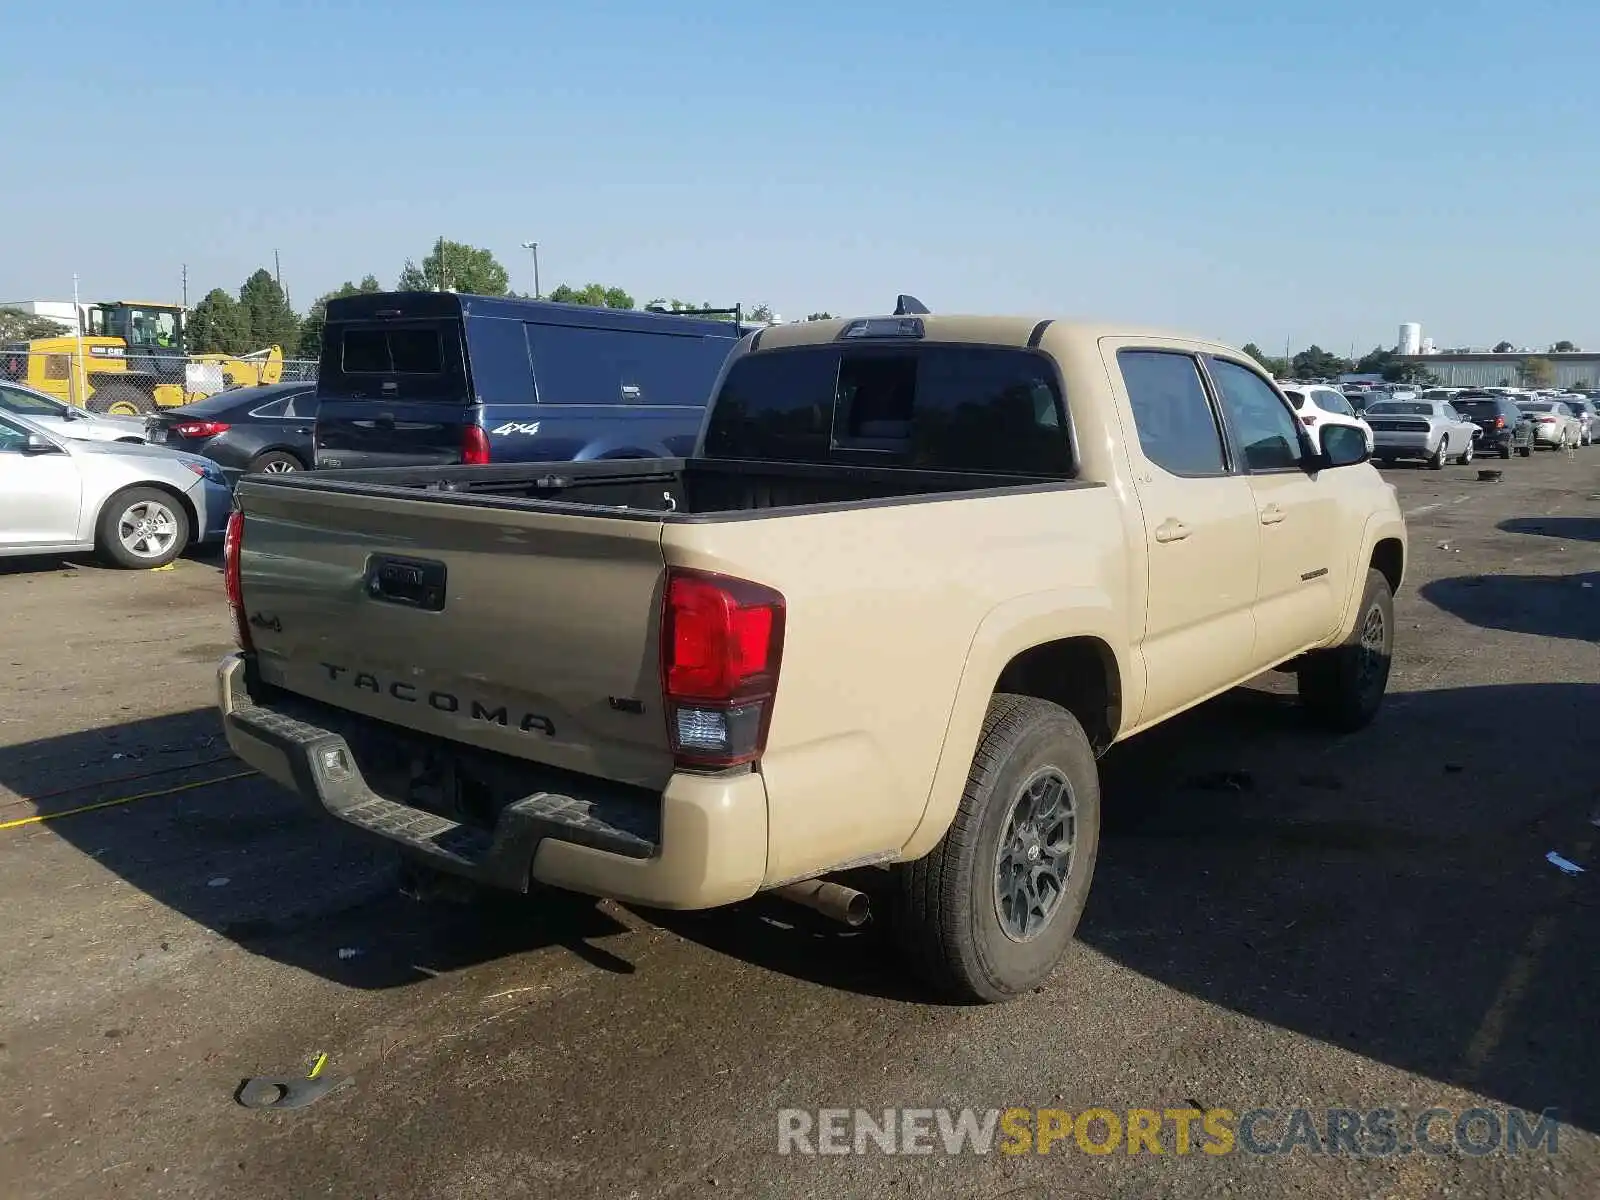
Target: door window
[[1266, 429], [1177, 427]]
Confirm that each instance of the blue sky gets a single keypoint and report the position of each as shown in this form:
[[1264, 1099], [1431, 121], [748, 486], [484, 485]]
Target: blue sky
[[1315, 172]]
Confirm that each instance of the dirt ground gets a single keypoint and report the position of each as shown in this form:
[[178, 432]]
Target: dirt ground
[[1279, 920]]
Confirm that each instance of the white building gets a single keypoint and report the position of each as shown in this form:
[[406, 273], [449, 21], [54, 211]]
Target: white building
[[1410, 338]]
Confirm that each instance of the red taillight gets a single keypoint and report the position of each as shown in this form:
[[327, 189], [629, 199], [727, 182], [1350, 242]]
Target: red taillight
[[721, 643], [232, 584], [474, 445], [199, 429], [1499, 422]]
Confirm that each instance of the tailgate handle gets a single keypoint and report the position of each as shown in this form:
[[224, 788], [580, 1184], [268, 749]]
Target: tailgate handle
[[413, 582]]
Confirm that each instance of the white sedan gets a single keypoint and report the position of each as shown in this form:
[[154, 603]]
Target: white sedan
[[68, 420], [1554, 424]]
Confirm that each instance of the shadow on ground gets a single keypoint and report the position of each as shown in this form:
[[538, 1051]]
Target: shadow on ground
[[1385, 892], [209, 555], [1556, 606], [1571, 529], [295, 886]]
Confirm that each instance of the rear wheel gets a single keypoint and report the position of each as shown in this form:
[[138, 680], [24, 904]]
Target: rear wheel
[[141, 528], [120, 400], [1466, 455], [989, 913], [1526, 451], [1436, 459], [1343, 687], [275, 462], [1505, 451]]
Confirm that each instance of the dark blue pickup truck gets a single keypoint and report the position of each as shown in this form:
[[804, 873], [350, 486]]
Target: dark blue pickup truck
[[422, 378]]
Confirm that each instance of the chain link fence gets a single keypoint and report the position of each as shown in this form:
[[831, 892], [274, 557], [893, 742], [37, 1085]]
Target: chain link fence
[[110, 379]]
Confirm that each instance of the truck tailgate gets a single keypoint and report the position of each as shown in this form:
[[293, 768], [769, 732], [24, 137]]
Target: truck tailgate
[[534, 634]]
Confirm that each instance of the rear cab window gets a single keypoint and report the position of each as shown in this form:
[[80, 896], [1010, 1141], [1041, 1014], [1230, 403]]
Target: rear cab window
[[394, 360], [929, 406]]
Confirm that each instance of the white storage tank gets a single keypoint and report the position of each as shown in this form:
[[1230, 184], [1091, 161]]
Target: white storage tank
[[1427, 346], [1410, 338]]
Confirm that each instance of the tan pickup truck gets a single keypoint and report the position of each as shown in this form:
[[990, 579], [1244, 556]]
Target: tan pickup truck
[[919, 573]]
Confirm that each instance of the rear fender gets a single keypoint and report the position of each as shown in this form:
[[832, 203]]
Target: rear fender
[[1005, 632]]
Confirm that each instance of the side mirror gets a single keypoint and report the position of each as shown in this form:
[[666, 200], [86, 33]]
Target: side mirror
[[37, 443], [1342, 446]]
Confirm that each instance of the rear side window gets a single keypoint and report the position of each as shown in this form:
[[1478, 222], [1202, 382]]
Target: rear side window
[[604, 366], [1177, 428], [935, 407]]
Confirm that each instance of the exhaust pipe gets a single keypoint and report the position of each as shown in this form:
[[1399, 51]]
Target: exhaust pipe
[[843, 904]]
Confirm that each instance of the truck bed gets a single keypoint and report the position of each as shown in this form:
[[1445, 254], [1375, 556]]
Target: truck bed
[[669, 488]]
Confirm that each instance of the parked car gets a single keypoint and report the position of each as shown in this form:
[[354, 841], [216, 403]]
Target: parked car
[[1554, 424], [883, 613], [1360, 401], [1427, 429], [1502, 426], [417, 378], [1314, 402], [244, 429], [137, 506], [1588, 414], [68, 420]]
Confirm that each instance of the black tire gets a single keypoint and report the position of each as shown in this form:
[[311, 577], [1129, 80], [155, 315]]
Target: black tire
[[1436, 460], [115, 548], [121, 397], [1466, 456], [275, 462], [1525, 451], [1505, 452], [948, 916], [1342, 687]]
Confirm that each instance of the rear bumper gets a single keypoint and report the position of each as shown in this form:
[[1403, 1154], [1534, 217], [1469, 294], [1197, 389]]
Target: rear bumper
[[1401, 445], [701, 843], [215, 502]]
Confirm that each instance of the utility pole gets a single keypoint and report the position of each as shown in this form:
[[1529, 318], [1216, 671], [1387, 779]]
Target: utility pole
[[185, 287], [277, 271], [79, 382], [444, 278]]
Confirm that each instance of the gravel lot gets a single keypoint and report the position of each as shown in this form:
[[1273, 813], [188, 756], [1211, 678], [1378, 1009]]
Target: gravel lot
[[1278, 920]]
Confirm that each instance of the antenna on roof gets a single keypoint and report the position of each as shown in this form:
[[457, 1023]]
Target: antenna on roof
[[909, 306]]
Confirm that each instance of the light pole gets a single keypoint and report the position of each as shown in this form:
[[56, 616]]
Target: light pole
[[533, 247]]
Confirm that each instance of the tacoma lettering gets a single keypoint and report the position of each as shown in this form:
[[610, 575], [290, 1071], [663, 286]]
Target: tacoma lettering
[[446, 702]]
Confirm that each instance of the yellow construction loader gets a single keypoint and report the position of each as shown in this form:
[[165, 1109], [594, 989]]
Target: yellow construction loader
[[128, 358]]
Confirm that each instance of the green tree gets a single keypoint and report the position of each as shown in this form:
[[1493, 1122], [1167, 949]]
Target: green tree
[[1537, 372], [1563, 347], [219, 324], [1276, 367], [18, 326], [310, 340], [1375, 361], [819, 316], [595, 295], [759, 314], [456, 267], [1409, 372], [1503, 347], [1316, 363], [271, 321]]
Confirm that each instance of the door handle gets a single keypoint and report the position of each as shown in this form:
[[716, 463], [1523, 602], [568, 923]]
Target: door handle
[[1171, 530], [1272, 514]]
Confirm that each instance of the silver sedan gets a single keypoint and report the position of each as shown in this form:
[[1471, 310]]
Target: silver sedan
[[1554, 424], [1427, 429], [138, 506], [68, 420]]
